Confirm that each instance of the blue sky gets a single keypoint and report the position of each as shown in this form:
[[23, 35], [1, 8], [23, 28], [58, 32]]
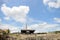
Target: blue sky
[[41, 15]]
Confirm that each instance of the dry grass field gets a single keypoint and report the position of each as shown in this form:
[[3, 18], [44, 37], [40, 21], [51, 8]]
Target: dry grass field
[[49, 36], [34, 36]]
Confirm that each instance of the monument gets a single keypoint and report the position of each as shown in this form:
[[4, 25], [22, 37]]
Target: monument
[[27, 31]]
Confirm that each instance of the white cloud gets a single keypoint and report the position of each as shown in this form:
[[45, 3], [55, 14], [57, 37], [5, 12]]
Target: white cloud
[[10, 27], [17, 13], [57, 20], [42, 27], [45, 1], [7, 18], [0, 19], [52, 4]]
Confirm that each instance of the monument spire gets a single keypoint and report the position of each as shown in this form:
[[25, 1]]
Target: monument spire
[[26, 26]]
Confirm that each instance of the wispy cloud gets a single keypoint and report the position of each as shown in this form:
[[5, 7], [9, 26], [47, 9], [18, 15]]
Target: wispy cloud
[[7, 18], [0, 19], [38, 27], [57, 20], [43, 27], [10, 27]]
